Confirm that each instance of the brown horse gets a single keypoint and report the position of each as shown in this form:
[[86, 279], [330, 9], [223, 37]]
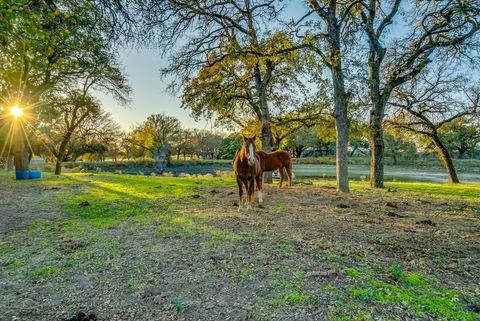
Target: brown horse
[[246, 166], [278, 159]]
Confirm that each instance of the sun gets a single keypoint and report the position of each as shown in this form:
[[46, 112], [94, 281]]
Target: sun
[[16, 111]]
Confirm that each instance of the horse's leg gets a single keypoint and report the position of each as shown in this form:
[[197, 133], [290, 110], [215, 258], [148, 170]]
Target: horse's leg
[[245, 199], [258, 179], [280, 171], [251, 192], [240, 193], [289, 173]]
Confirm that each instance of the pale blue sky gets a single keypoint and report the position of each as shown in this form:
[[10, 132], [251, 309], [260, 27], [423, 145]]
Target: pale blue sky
[[149, 95], [149, 89]]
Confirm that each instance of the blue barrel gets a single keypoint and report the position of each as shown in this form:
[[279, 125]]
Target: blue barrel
[[35, 175], [22, 175]]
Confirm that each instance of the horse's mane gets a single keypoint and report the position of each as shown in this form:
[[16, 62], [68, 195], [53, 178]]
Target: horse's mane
[[239, 153]]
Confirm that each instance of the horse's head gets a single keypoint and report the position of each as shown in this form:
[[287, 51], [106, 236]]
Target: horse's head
[[249, 148]]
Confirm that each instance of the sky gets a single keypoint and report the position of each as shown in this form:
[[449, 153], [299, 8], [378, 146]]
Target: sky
[[149, 89], [149, 96]]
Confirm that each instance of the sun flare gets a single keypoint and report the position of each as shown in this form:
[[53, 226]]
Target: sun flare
[[16, 111]]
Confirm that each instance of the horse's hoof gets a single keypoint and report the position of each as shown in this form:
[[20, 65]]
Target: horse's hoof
[[261, 205], [239, 209]]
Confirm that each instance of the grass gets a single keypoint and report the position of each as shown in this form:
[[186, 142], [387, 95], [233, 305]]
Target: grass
[[421, 298], [469, 192], [446, 191], [180, 307], [166, 216], [148, 165], [113, 200]]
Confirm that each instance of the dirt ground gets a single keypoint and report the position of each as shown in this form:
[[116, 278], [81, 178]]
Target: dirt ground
[[302, 257]]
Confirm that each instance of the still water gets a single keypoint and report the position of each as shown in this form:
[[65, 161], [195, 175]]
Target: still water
[[396, 173]]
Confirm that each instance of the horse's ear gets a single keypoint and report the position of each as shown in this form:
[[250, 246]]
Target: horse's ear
[[254, 137], [244, 138]]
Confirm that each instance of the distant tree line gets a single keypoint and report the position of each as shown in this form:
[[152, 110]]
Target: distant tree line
[[255, 65], [339, 73]]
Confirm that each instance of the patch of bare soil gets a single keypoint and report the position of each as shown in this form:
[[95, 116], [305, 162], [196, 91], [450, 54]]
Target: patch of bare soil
[[209, 262], [416, 232], [21, 204]]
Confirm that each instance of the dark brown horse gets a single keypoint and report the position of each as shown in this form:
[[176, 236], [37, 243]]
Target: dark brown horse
[[246, 166], [278, 159]]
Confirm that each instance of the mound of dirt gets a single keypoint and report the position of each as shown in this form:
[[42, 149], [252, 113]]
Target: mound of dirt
[[80, 316]]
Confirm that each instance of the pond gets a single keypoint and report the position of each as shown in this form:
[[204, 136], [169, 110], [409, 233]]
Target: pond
[[392, 173]]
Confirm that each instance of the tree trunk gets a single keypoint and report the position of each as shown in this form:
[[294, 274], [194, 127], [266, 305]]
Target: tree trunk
[[20, 148], [298, 151], [378, 100], [161, 157], [340, 101], [60, 156], [264, 112], [341, 126], [394, 156], [377, 151], [266, 136], [461, 152], [58, 167], [159, 161], [62, 150], [352, 153], [446, 158], [20, 153], [9, 163], [267, 146], [341, 121]]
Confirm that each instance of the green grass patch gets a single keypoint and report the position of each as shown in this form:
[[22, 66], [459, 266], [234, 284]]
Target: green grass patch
[[417, 295], [467, 192], [446, 191], [180, 307], [352, 272], [44, 272]]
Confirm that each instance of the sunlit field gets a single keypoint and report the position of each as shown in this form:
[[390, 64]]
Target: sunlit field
[[167, 248], [142, 142]]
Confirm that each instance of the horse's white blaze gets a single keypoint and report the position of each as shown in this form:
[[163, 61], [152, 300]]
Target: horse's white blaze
[[252, 156]]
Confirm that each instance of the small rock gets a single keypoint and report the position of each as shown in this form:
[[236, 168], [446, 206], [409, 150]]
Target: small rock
[[80, 316], [427, 222], [474, 307], [196, 196], [53, 188], [393, 214], [320, 273], [389, 204], [328, 187], [240, 316], [213, 191], [84, 203], [152, 291]]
